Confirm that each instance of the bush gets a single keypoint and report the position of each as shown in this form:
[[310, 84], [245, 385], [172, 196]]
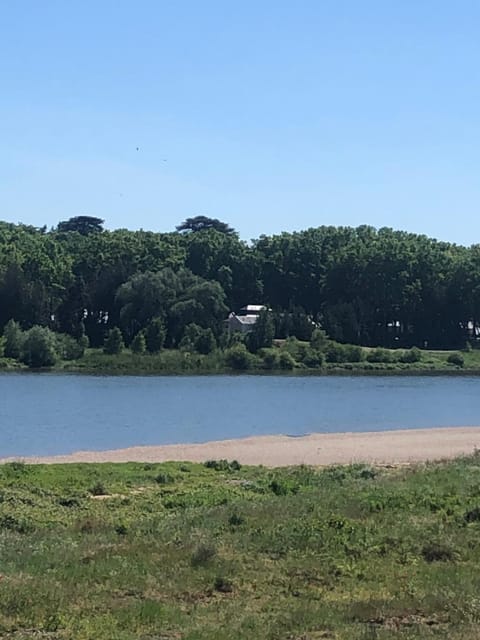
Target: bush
[[437, 552], [138, 344], [164, 478], [235, 520], [84, 342], [411, 355], [222, 585], [286, 361], [314, 359], [380, 355], [202, 555], [10, 523], [16, 467], [223, 465], [114, 342], [98, 489], [457, 359], [206, 342], [39, 348], [68, 348], [270, 358], [278, 487], [195, 338], [155, 335], [472, 515], [69, 502], [298, 350], [13, 340], [334, 352], [339, 353], [319, 340], [237, 357], [190, 336], [283, 486], [353, 353]]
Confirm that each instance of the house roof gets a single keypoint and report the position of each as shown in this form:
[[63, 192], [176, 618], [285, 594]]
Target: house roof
[[249, 319], [254, 307]]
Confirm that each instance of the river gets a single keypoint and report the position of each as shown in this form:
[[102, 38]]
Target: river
[[48, 414]]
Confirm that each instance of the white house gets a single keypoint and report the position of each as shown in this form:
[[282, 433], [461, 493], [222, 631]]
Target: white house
[[245, 319]]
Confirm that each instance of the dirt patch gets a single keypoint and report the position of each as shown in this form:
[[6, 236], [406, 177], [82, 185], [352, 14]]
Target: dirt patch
[[395, 623], [114, 496]]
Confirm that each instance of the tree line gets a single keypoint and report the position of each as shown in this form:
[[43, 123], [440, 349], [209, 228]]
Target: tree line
[[363, 286]]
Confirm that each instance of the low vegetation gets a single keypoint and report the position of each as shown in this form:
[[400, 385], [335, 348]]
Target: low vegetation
[[41, 348], [192, 552]]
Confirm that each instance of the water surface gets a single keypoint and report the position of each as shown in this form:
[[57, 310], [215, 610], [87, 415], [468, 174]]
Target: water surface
[[48, 414]]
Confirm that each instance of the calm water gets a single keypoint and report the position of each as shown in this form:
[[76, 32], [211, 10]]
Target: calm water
[[51, 414]]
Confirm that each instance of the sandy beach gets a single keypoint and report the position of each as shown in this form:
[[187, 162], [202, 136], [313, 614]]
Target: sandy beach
[[381, 447]]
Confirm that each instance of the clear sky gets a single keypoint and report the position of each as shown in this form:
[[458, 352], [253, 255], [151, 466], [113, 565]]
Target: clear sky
[[268, 114]]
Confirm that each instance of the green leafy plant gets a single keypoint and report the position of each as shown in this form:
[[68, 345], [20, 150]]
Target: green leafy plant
[[114, 342]]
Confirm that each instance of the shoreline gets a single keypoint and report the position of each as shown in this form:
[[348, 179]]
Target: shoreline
[[296, 373], [317, 449]]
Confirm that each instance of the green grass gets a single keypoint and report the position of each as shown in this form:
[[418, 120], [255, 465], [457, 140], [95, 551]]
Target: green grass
[[195, 552], [169, 361], [180, 363]]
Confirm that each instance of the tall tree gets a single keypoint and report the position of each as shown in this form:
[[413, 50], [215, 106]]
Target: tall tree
[[81, 224], [263, 332], [201, 223]]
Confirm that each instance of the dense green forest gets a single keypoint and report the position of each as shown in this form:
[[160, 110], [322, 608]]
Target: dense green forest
[[363, 286]]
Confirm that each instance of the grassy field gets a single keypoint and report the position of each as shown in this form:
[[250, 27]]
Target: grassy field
[[195, 552]]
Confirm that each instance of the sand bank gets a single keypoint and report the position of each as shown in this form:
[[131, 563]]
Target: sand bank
[[381, 447]]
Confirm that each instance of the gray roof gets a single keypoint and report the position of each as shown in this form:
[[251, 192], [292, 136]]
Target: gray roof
[[247, 319]]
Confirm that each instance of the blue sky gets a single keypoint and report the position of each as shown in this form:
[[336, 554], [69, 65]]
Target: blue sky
[[269, 115]]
